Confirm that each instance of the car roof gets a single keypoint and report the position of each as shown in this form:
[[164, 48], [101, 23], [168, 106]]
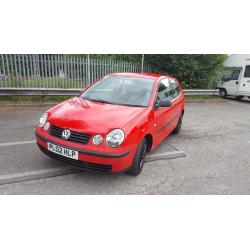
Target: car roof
[[141, 75]]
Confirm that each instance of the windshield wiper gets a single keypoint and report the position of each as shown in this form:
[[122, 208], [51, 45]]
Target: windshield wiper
[[99, 100], [131, 105], [115, 103]]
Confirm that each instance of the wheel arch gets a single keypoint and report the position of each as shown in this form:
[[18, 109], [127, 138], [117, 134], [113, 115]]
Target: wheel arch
[[149, 140], [222, 88]]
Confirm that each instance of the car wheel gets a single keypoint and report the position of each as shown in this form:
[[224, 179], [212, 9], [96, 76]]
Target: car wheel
[[223, 93], [178, 126], [138, 161]]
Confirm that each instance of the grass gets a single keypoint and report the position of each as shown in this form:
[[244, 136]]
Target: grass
[[201, 97], [48, 82], [27, 99]]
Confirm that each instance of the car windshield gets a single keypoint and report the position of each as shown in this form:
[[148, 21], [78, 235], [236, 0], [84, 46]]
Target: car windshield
[[121, 90]]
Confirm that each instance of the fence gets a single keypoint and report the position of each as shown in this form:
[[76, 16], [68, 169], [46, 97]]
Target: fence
[[57, 71]]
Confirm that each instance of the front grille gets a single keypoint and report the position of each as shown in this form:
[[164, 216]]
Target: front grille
[[83, 164], [74, 136]]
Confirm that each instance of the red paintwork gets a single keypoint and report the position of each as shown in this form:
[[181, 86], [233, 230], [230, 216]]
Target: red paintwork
[[100, 118]]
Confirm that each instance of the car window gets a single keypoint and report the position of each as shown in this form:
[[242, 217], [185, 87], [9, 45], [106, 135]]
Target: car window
[[247, 71], [164, 90], [176, 87], [235, 75], [168, 89]]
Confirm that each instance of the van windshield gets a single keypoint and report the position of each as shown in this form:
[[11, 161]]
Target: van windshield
[[121, 90]]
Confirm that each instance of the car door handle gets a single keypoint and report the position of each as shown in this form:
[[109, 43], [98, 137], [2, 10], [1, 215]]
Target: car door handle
[[237, 82]]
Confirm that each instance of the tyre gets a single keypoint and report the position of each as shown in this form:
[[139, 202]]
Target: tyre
[[138, 161], [223, 93], [178, 126]]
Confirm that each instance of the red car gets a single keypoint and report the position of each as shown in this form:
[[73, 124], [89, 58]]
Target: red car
[[111, 125]]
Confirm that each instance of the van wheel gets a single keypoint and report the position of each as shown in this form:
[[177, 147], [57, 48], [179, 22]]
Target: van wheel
[[178, 126], [138, 161], [223, 93]]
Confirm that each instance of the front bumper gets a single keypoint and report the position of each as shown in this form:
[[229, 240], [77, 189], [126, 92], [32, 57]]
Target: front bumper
[[88, 159]]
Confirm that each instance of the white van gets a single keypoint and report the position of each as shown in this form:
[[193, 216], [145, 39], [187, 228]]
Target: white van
[[237, 83]]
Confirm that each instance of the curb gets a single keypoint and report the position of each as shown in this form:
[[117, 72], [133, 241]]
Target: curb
[[48, 173], [165, 156]]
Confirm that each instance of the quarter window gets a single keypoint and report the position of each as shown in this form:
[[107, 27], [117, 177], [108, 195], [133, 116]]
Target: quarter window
[[168, 89], [164, 90], [247, 71], [175, 87]]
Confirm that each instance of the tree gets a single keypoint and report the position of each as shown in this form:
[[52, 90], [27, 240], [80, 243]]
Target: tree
[[193, 70]]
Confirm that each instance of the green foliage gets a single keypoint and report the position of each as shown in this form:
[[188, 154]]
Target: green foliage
[[45, 82], [193, 70], [26, 99]]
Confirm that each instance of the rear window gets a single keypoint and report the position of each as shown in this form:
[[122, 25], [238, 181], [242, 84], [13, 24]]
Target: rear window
[[247, 71]]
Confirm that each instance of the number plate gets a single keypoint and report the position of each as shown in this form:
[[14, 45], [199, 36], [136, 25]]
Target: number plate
[[63, 151]]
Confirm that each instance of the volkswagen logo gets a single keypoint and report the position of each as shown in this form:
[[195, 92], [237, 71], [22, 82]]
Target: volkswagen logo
[[66, 134]]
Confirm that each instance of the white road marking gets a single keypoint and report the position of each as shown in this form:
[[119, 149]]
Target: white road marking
[[16, 143], [37, 174]]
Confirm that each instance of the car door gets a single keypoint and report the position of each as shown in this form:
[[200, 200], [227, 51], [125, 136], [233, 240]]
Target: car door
[[231, 83], [245, 83], [163, 115], [177, 102]]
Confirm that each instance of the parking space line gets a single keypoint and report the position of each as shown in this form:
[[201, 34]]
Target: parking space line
[[16, 143]]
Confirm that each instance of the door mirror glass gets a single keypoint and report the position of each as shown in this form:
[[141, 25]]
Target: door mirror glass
[[163, 103]]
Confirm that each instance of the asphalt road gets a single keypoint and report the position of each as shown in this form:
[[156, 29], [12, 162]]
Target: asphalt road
[[215, 138]]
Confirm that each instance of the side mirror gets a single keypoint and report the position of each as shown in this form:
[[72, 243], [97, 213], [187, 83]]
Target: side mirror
[[163, 103]]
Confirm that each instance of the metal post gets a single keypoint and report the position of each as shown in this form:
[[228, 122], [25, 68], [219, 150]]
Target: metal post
[[88, 69], [4, 74], [142, 63]]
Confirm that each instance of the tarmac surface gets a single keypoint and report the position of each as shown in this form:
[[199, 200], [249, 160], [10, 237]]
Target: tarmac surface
[[215, 138]]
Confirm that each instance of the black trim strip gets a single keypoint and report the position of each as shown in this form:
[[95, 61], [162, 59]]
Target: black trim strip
[[167, 124], [85, 151]]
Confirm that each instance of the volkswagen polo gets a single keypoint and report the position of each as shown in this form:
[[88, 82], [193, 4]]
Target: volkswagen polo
[[114, 122]]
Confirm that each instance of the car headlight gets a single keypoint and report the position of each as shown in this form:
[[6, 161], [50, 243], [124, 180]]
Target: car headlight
[[115, 138], [46, 126], [43, 119]]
